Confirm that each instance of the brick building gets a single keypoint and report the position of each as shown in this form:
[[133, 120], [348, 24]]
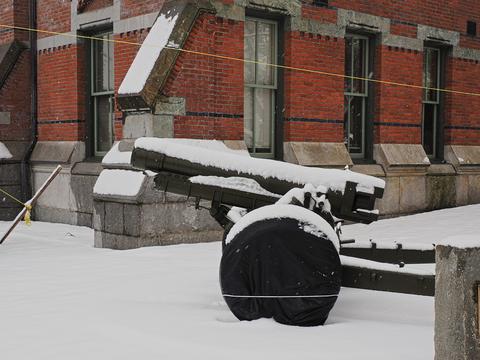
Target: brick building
[[425, 142]]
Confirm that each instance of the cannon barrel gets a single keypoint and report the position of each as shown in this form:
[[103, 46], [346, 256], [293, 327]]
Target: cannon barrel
[[351, 202]]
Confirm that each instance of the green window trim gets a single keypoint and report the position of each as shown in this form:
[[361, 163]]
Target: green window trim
[[102, 90], [261, 86]]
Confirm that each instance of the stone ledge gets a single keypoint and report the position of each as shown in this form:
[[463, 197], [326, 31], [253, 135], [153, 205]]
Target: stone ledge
[[317, 154], [441, 170], [59, 152], [87, 168], [465, 159], [369, 169], [396, 159]]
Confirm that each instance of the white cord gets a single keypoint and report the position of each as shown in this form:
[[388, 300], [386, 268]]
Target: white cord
[[278, 296]]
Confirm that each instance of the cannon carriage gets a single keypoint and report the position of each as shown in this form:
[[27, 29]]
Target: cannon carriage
[[282, 253]]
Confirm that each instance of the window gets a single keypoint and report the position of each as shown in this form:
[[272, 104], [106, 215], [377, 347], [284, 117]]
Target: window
[[356, 94], [102, 93], [431, 100], [260, 86]]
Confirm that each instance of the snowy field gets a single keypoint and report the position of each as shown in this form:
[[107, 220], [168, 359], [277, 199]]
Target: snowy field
[[60, 298]]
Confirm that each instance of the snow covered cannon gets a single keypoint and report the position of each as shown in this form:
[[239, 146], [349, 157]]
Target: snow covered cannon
[[281, 248]]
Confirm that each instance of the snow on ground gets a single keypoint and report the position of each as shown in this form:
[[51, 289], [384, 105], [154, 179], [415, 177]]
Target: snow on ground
[[63, 299], [426, 228]]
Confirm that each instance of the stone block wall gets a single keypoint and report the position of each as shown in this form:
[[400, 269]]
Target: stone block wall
[[457, 292], [149, 219]]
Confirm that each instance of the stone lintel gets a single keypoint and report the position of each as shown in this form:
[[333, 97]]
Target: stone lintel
[[465, 159], [317, 154], [60, 152], [285, 7], [401, 159], [361, 21], [403, 42], [229, 11], [433, 34], [466, 53], [315, 27]]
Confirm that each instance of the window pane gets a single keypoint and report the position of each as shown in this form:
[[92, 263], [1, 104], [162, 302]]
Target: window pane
[[429, 128], [354, 110], [356, 65], [250, 45], [263, 108], [430, 74], [265, 53], [248, 118], [348, 64], [359, 65], [102, 60], [103, 123]]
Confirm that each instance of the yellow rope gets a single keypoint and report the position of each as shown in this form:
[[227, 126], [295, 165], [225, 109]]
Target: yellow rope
[[223, 57], [26, 205], [12, 197]]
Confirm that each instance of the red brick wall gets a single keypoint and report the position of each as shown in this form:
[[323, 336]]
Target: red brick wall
[[15, 93], [53, 15], [62, 94], [6, 17], [398, 114], [132, 8], [438, 13], [97, 4], [210, 85], [462, 120], [15, 98], [322, 14], [214, 88], [314, 102]]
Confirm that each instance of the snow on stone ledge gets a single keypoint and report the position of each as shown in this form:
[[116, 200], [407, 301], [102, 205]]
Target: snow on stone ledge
[[312, 223], [119, 182], [232, 161], [117, 157], [142, 66], [4, 153], [462, 241]]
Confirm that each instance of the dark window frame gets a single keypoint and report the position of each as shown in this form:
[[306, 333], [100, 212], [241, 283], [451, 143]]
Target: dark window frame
[[279, 110], [89, 106], [372, 43], [444, 53]]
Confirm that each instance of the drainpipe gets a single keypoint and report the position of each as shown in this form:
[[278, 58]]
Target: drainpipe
[[25, 167]]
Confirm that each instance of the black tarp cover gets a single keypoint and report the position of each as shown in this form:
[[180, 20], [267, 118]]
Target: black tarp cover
[[274, 269]]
